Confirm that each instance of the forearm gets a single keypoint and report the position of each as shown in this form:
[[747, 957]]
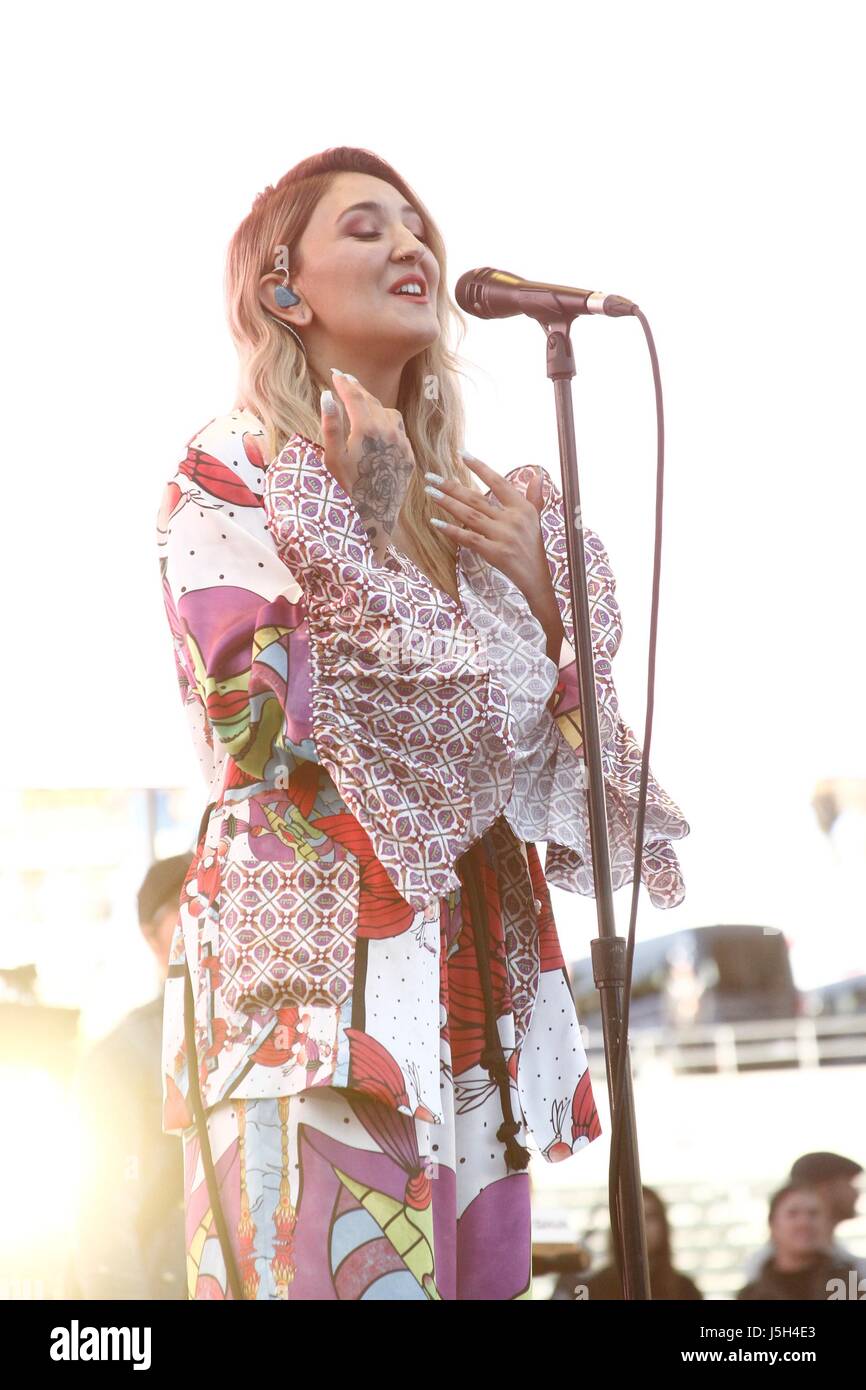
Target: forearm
[[543, 606], [379, 489], [377, 535]]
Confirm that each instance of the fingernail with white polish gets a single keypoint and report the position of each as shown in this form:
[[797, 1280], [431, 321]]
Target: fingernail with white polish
[[434, 477], [434, 491], [436, 521], [329, 405]]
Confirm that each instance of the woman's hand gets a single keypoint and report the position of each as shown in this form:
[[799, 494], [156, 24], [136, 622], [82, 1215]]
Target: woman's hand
[[373, 462], [508, 536]]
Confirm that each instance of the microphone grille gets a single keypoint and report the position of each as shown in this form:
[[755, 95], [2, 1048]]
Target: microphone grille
[[469, 291]]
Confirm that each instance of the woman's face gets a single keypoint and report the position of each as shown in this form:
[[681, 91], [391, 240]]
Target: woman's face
[[799, 1224], [349, 259]]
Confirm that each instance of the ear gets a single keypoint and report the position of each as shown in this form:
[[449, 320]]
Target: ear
[[269, 284]]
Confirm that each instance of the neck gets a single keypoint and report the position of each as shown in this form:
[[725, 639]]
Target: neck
[[789, 1261], [382, 380]]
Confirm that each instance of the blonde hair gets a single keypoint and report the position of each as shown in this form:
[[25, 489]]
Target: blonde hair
[[274, 380]]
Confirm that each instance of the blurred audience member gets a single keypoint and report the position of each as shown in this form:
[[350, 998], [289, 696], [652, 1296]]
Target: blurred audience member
[[130, 1221], [666, 1283], [835, 1180], [800, 1265]]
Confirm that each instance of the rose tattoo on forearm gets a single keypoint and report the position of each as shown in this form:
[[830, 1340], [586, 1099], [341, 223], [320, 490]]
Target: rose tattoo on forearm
[[383, 477]]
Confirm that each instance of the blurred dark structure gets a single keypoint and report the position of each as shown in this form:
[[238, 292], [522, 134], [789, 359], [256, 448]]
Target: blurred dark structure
[[712, 974]]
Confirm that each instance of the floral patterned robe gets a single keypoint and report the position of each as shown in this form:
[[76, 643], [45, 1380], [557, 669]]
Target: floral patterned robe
[[358, 730]]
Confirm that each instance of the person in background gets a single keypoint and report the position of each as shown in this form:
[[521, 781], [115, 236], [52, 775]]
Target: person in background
[[129, 1241], [666, 1283], [800, 1265], [835, 1180]]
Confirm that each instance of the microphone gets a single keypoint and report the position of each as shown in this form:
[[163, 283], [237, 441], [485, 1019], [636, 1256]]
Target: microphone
[[496, 294]]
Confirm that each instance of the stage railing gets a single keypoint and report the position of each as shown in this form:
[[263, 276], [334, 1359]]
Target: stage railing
[[735, 1047]]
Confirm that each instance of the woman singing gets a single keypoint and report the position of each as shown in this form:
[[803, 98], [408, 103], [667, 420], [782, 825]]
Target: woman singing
[[367, 1014]]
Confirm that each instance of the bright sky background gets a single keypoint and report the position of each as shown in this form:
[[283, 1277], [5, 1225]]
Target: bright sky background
[[703, 160]]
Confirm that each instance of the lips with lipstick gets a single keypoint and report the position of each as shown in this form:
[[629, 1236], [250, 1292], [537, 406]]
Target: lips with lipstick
[[411, 286]]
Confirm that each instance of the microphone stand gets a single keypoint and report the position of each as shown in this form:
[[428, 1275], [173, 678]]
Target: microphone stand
[[608, 949]]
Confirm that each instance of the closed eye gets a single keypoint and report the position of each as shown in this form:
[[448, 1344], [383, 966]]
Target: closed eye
[[369, 236]]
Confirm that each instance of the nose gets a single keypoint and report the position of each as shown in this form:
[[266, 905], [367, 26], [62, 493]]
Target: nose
[[409, 250]]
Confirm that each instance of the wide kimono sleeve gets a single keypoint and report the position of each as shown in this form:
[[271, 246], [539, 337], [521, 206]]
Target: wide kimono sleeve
[[409, 715], [550, 800], [234, 610]]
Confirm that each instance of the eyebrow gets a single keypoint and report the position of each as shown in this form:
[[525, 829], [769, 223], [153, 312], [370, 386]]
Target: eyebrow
[[369, 206]]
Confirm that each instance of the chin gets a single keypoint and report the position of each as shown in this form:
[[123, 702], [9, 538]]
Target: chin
[[413, 342]]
